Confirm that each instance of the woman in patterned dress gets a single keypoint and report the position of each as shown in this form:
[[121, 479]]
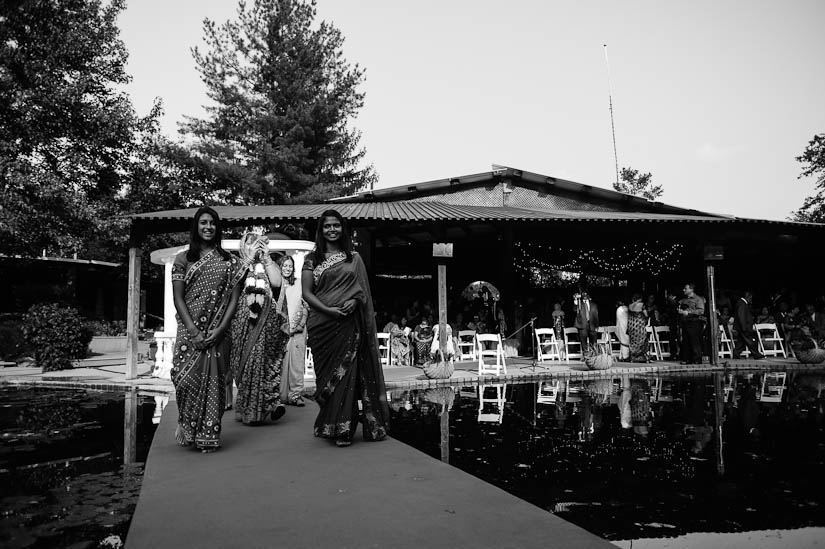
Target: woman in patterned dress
[[260, 331], [206, 290], [342, 334], [637, 329]]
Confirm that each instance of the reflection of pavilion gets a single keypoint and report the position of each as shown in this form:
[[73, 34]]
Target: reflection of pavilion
[[166, 257], [496, 402]]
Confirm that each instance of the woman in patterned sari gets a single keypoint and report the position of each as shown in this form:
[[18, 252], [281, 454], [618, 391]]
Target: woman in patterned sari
[[342, 335], [637, 329], [205, 288], [260, 332]]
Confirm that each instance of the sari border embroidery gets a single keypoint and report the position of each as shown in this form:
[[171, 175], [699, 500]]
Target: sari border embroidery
[[331, 261], [197, 265]]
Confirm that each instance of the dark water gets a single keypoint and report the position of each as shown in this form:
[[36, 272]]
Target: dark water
[[71, 465], [635, 458]]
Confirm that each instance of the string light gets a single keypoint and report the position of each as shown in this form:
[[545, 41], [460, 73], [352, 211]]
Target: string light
[[543, 262]]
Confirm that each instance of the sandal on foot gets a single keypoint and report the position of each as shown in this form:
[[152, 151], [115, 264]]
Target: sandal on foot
[[278, 412], [297, 401], [342, 442]]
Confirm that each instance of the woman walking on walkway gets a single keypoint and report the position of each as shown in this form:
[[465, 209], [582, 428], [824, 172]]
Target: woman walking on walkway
[[292, 377], [205, 289], [260, 332], [342, 335]]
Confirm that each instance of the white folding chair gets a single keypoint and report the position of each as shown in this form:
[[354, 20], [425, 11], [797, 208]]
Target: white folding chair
[[773, 385], [652, 343], [548, 392], [725, 345], [485, 415], [770, 344], [547, 346], [574, 343], [496, 350], [309, 364], [384, 350], [662, 389], [662, 335], [466, 344], [573, 390]]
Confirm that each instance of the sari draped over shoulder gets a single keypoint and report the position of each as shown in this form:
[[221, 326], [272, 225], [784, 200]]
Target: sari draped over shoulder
[[199, 374], [258, 347], [345, 351]]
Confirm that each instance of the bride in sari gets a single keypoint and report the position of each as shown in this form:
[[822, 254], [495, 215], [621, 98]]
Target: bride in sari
[[206, 290], [342, 334], [260, 331]]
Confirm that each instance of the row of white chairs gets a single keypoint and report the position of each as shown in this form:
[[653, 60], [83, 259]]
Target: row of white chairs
[[480, 347], [767, 339], [548, 346]]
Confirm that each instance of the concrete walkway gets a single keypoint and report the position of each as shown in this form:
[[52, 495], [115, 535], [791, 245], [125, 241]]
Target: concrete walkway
[[278, 485]]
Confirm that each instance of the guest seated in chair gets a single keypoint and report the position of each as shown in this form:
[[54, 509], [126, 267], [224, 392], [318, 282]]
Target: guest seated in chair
[[399, 342]]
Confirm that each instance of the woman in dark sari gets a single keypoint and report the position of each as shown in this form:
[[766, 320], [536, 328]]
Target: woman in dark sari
[[342, 334], [260, 332], [637, 330], [205, 288]]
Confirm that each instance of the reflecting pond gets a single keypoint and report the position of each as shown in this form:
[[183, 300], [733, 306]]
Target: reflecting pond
[[71, 464], [642, 458]]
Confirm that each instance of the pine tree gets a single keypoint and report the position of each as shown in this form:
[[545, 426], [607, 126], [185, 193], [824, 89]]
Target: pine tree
[[283, 98]]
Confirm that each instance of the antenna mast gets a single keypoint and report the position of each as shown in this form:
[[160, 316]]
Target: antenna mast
[[612, 125]]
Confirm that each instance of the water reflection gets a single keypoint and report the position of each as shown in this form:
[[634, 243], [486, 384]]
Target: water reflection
[[70, 464], [624, 456]]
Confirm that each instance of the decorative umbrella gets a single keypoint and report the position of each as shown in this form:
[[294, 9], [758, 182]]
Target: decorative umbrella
[[471, 291]]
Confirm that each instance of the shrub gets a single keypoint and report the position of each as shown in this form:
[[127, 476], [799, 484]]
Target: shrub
[[107, 328], [56, 334]]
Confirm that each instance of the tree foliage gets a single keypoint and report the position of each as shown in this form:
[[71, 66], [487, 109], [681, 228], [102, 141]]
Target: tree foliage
[[283, 99], [813, 161], [638, 184], [68, 132]]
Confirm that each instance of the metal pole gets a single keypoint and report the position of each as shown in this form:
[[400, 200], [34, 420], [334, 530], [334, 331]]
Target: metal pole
[[612, 125]]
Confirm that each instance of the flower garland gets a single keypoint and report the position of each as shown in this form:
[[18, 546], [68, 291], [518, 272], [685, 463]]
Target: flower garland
[[255, 290]]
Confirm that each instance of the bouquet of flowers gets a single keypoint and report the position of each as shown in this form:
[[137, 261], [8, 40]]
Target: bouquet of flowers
[[256, 284]]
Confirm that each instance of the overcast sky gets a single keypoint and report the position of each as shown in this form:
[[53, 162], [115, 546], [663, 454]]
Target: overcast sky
[[715, 98]]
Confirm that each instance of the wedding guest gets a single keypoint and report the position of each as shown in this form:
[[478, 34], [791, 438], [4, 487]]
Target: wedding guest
[[341, 331], [292, 376], [205, 286], [587, 319], [260, 331], [743, 325], [692, 311]]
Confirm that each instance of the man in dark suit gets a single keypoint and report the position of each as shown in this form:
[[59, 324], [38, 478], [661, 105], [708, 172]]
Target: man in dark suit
[[743, 325], [587, 319]]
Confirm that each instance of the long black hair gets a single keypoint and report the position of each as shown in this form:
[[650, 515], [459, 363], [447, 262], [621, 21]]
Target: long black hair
[[321, 244], [195, 241]]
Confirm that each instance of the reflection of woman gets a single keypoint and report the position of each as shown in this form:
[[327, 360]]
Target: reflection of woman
[[342, 334], [259, 336], [399, 343], [205, 289], [637, 329], [292, 376]]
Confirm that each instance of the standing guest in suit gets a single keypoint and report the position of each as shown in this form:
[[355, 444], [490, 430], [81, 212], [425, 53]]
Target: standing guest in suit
[[692, 313], [587, 319], [743, 325]]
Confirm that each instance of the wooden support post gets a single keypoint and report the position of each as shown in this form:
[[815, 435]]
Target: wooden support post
[[130, 427], [718, 417], [713, 321], [442, 307], [133, 313]]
